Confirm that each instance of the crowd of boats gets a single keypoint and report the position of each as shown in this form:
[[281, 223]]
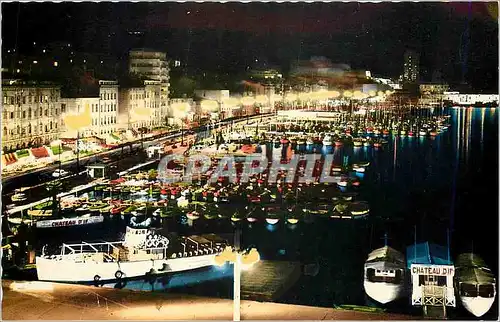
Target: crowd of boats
[[141, 200]]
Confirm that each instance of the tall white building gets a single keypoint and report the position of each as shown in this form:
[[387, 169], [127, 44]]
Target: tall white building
[[142, 106], [411, 68], [106, 116], [153, 65], [31, 114]]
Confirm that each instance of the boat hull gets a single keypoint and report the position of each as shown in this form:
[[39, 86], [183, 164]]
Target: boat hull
[[478, 306], [383, 292], [69, 271]]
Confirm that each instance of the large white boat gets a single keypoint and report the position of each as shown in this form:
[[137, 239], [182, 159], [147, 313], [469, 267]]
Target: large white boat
[[384, 275], [475, 284], [142, 252]]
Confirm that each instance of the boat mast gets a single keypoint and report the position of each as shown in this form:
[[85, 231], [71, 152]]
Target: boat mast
[[415, 241]]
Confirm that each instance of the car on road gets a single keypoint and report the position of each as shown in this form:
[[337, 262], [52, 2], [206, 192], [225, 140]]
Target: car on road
[[59, 173]]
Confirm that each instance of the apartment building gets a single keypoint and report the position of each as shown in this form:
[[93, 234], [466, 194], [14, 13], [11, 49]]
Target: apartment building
[[102, 107], [153, 66], [141, 106]]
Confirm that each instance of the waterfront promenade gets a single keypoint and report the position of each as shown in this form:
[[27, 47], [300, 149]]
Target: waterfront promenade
[[44, 301]]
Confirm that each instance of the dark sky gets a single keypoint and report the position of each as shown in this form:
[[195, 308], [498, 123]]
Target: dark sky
[[454, 38]]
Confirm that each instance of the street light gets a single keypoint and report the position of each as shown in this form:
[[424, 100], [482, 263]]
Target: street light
[[241, 261]]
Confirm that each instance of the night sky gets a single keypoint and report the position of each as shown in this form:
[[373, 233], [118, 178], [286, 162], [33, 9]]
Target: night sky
[[460, 40]]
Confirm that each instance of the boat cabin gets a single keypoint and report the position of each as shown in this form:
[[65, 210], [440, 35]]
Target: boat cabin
[[155, 151], [432, 273], [477, 282], [97, 171], [474, 278]]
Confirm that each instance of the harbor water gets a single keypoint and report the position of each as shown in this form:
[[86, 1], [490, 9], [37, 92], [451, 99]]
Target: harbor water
[[419, 189]]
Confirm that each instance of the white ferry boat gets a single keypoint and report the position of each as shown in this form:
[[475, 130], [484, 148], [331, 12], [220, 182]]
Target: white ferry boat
[[142, 252]]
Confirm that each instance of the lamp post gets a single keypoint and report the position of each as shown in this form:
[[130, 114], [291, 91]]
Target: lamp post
[[241, 261]]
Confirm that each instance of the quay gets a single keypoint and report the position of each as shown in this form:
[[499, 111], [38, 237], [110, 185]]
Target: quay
[[45, 301]]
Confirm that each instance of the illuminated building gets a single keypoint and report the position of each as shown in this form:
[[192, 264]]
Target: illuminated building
[[147, 98], [457, 98], [153, 65], [411, 67], [103, 106], [432, 94]]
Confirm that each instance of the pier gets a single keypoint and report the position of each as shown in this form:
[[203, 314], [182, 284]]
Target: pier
[[61, 195], [268, 280], [45, 301]]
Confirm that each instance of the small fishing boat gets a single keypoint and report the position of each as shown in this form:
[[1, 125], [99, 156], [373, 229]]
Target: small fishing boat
[[336, 168], [358, 169], [210, 213], [357, 142], [272, 218], [327, 140], [359, 209], [193, 215], [475, 284], [236, 217], [18, 197]]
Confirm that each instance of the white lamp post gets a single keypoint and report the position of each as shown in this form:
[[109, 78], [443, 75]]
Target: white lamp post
[[240, 261]]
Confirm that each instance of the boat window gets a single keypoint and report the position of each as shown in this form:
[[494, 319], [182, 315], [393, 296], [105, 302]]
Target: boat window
[[468, 290], [486, 290]]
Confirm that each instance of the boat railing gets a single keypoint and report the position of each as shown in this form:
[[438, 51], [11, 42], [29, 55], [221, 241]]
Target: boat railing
[[84, 247]]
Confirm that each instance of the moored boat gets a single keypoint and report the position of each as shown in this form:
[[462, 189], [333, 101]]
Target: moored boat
[[272, 218], [475, 284], [142, 252]]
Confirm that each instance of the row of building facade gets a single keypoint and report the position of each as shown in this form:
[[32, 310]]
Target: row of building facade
[[34, 113]]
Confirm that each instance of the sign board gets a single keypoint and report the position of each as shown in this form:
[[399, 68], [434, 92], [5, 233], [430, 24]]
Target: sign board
[[78, 221], [437, 270]]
